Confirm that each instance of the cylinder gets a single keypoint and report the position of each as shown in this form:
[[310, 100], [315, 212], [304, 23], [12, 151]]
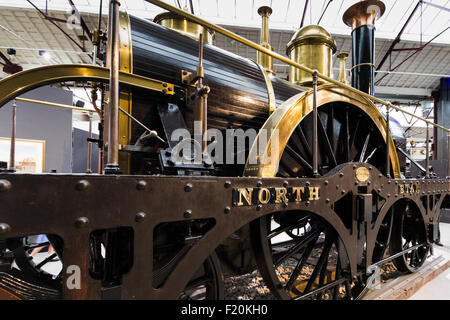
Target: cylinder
[[313, 47], [361, 18]]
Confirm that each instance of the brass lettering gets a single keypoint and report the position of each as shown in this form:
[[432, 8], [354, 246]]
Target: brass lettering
[[297, 191], [280, 194], [313, 193], [264, 195], [247, 194], [402, 189]]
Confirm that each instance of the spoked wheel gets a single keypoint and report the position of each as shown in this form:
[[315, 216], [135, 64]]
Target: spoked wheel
[[408, 231], [306, 267], [345, 134], [207, 283]]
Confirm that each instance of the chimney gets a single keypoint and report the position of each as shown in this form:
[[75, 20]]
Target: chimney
[[361, 18]]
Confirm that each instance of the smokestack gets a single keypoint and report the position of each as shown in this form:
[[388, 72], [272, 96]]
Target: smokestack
[[361, 18], [263, 59]]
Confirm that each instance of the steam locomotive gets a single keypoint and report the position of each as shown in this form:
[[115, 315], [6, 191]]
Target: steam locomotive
[[313, 230]]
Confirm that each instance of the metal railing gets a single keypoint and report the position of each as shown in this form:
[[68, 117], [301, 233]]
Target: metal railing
[[290, 62]]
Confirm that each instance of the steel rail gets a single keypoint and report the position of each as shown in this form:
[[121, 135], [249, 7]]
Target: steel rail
[[279, 57]]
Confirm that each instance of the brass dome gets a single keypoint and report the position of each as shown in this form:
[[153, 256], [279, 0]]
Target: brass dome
[[313, 47], [312, 34]]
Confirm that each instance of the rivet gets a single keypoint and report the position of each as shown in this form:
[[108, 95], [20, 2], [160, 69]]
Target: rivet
[[140, 216], [396, 195], [4, 227], [337, 186], [141, 185], [285, 204], [5, 185], [259, 184], [81, 222], [164, 90], [326, 182], [389, 181], [259, 207], [327, 200], [354, 166], [380, 175], [379, 190], [170, 89], [356, 183], [184, 72], [309, 183], [164, 84], [307, 203], [285, 183], [341, 174], [227, 184], [388, 195], [187, 214], [368, 182], [343, 191], [82, 184], [370, 168], [188, 187], [227, 210]]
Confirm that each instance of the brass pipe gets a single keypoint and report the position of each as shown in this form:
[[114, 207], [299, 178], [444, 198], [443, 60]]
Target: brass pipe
[[262, 59], [342, 71], [52, 104], [12, 152], [388, 158], [279, 57], [315, 135], [89, 157], [112, 164]]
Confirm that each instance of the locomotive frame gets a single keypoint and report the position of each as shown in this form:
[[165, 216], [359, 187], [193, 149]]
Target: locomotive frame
[[75, 206]]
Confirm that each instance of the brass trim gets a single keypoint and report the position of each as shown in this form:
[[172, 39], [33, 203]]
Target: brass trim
[[184, 26], [21, 82], [288, 116], [125, 95], [270, 92], [279, 57], [363, 64]]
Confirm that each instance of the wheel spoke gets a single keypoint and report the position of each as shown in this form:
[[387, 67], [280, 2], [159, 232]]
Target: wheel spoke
[[301, 262], [363, 152], [282, 229], [46, 260], [322, 260], [326, 143], [304, 141], [294, 249], [299, 158]]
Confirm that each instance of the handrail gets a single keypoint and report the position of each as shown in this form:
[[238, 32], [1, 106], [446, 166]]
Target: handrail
[[286, 60]]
